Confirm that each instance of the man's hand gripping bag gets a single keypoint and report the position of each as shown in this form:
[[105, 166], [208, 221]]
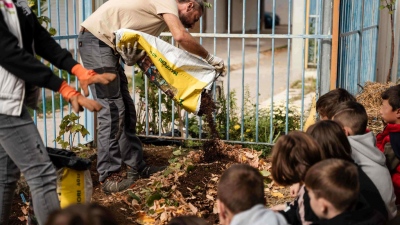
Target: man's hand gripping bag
[[181, 75]]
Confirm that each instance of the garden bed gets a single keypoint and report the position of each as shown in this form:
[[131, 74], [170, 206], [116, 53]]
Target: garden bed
[[186, 187]]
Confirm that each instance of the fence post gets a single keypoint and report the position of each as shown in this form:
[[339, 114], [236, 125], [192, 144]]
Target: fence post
[[90, 117], [325, 55]]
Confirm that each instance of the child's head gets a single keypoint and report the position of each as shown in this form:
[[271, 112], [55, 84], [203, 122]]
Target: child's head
[[327, 102], [187, 220], [352, 116], [240, 188], [390, 108], [332, 139], [333, 187], [292, 155], [82, 214]]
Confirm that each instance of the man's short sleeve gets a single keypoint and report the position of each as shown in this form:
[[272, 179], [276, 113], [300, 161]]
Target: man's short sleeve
[[166, 6]]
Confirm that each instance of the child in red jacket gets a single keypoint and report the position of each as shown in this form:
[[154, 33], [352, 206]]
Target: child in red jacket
[[388, 141]]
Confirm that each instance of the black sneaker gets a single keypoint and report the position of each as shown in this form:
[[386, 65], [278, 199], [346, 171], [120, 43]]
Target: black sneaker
[[132, 174], [115, 183], [147, 171]]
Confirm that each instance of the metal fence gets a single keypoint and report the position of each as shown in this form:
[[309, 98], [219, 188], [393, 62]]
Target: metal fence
[[267, 89], [358, 43], [314, 19], [64, 17]]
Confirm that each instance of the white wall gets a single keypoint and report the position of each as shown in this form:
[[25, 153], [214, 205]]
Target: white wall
[[298, 25], [384, 46]]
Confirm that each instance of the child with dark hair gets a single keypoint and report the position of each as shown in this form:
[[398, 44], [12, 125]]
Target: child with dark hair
[[327, 102], [388, 141], [333, 187], [327, 133], [187, 220], [354, 118], [82, 214], [241, 198], [292, 155], [295, 153]]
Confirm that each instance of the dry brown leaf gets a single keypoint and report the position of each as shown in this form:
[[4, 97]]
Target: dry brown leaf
[[215, 179], [179, 211], [209, 197], [215, 208], [277, 194], [126, 199], [193, 208], [250, 155], [136, 205], [144, 219], [164, 217], [212, 191], [160, 210]]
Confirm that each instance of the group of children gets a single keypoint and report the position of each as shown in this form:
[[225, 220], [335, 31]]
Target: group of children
[[339, 172]]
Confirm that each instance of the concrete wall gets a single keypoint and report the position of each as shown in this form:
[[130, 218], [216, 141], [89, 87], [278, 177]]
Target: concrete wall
[[298, 25], [221, 21], [384, 46], [237, 15]]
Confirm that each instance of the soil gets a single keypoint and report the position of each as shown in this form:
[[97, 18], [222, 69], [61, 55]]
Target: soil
[[213, 148], [197, 185], [193, 186]]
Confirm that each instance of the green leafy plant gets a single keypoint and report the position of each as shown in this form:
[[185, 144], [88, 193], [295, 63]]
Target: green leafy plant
[[390, 6], [44, 20], [153, 105], [207, 5], [229, 125], [267, 133], [70, 125], [265, 128]]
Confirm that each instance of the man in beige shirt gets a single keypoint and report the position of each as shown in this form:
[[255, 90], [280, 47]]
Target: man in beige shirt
[[117, 140]]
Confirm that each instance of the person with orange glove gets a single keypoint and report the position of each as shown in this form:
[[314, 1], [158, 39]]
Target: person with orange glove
[[21, 146]]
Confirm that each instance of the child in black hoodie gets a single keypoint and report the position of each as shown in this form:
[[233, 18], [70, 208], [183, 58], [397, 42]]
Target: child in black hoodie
[[333, 188]]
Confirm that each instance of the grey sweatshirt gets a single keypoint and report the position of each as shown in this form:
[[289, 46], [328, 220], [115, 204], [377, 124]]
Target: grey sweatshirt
[[258, 215], [373, 163]]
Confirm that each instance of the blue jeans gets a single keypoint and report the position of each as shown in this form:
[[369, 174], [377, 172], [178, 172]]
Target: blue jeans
[[22, 149]]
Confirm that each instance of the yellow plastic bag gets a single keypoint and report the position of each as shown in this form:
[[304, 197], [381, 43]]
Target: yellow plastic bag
[[74, 186], [178, 73]]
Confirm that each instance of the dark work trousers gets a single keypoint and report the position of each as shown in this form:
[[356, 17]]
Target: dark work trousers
[[117, 141]]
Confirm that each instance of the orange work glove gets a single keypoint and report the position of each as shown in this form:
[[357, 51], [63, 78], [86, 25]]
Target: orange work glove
[[87, 77], [77, 100]]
